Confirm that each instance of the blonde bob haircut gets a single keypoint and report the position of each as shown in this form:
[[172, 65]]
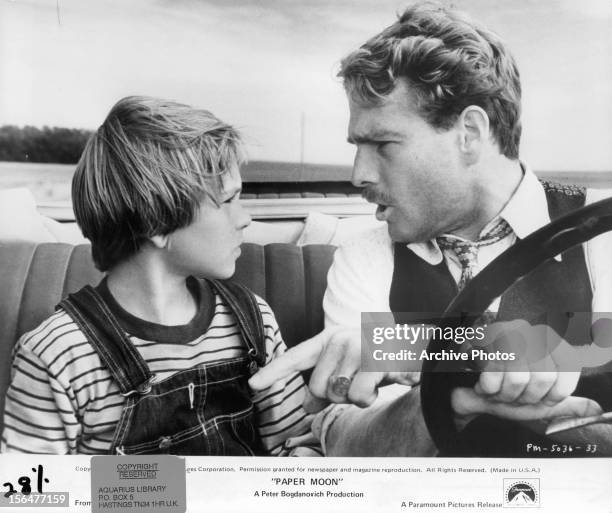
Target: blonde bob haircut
[[145, 172]]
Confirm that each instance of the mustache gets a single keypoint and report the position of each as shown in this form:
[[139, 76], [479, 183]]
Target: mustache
[[373, 195]]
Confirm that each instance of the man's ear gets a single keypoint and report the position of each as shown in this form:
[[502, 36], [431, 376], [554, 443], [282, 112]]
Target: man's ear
[[473, 124], [160, 241]]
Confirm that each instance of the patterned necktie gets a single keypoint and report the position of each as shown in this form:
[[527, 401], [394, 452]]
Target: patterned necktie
[[467, 251]]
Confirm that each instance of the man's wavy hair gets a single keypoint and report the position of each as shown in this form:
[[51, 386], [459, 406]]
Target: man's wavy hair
[[145, 172], [450, 62]]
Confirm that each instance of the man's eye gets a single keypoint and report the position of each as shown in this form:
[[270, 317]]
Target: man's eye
[[382, 146]]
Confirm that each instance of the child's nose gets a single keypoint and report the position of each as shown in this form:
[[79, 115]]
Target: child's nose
[[243, 217]]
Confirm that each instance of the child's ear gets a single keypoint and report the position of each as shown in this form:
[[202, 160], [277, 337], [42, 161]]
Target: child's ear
[[160, 241]]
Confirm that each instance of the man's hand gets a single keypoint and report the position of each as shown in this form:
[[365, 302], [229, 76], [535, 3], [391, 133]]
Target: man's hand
[[535, 387], [335, 354], [466, 402]]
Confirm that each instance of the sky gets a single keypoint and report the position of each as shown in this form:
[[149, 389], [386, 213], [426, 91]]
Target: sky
[[265, 65]]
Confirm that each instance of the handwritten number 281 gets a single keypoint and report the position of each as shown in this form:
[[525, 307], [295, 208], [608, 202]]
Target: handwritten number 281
[[24, 481]]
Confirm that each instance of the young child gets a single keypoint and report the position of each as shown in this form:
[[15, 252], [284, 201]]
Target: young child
[[156, 358]]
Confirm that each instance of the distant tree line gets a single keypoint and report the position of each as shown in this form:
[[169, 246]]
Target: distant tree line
[[47, 144]]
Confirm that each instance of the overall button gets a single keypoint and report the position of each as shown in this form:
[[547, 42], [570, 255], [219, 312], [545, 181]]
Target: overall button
[[165, 442], [253, 367], [145, 388]]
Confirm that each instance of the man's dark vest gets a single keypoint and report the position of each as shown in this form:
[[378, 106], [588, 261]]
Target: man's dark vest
[[553, 287]]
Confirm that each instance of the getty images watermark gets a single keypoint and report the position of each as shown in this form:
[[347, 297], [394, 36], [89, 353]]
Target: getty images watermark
[[562, 341]]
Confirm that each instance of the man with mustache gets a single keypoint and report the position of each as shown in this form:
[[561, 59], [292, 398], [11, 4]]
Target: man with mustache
[[435, 105]]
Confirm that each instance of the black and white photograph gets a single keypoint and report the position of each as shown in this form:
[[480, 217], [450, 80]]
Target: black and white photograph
[[372, 235]]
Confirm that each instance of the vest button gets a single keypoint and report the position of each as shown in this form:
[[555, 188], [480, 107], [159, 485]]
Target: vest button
[[165, 442]]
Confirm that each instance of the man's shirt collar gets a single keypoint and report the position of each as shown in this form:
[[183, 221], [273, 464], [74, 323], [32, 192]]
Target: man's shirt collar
[[527, 210]]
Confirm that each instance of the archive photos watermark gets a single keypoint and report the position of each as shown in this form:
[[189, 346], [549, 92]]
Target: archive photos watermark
[[561, 341]]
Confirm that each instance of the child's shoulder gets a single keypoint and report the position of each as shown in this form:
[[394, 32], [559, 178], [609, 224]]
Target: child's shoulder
[[55, 336], [272, 335], [264, 307]]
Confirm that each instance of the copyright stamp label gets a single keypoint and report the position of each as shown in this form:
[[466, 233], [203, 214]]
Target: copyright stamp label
[[138, 483]]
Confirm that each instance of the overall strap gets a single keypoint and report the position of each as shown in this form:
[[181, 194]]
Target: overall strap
[[102, 329], [244, 306]]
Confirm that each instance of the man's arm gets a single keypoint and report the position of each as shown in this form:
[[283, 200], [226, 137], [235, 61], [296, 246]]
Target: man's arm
[[392, 426], [350, 431], [359, 279], [518, 396]]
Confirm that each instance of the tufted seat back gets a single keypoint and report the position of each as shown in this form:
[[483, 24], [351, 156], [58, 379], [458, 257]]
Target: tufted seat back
[[35, 277]]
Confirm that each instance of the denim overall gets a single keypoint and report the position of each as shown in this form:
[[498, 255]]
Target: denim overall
[[206, 410]]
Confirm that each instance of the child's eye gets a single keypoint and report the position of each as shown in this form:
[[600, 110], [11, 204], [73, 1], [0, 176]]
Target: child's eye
[[232, 198]]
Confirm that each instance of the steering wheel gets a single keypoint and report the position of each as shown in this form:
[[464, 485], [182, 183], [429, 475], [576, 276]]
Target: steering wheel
[[512, 265]]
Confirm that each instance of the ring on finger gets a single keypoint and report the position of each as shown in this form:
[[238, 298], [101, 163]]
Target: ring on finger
[[340, 385]]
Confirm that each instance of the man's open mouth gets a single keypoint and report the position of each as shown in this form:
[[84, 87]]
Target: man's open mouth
[[382, 211], [375, 196]]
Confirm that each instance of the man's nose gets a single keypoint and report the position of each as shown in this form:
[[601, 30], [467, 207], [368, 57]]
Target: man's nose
[[364, 169]]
